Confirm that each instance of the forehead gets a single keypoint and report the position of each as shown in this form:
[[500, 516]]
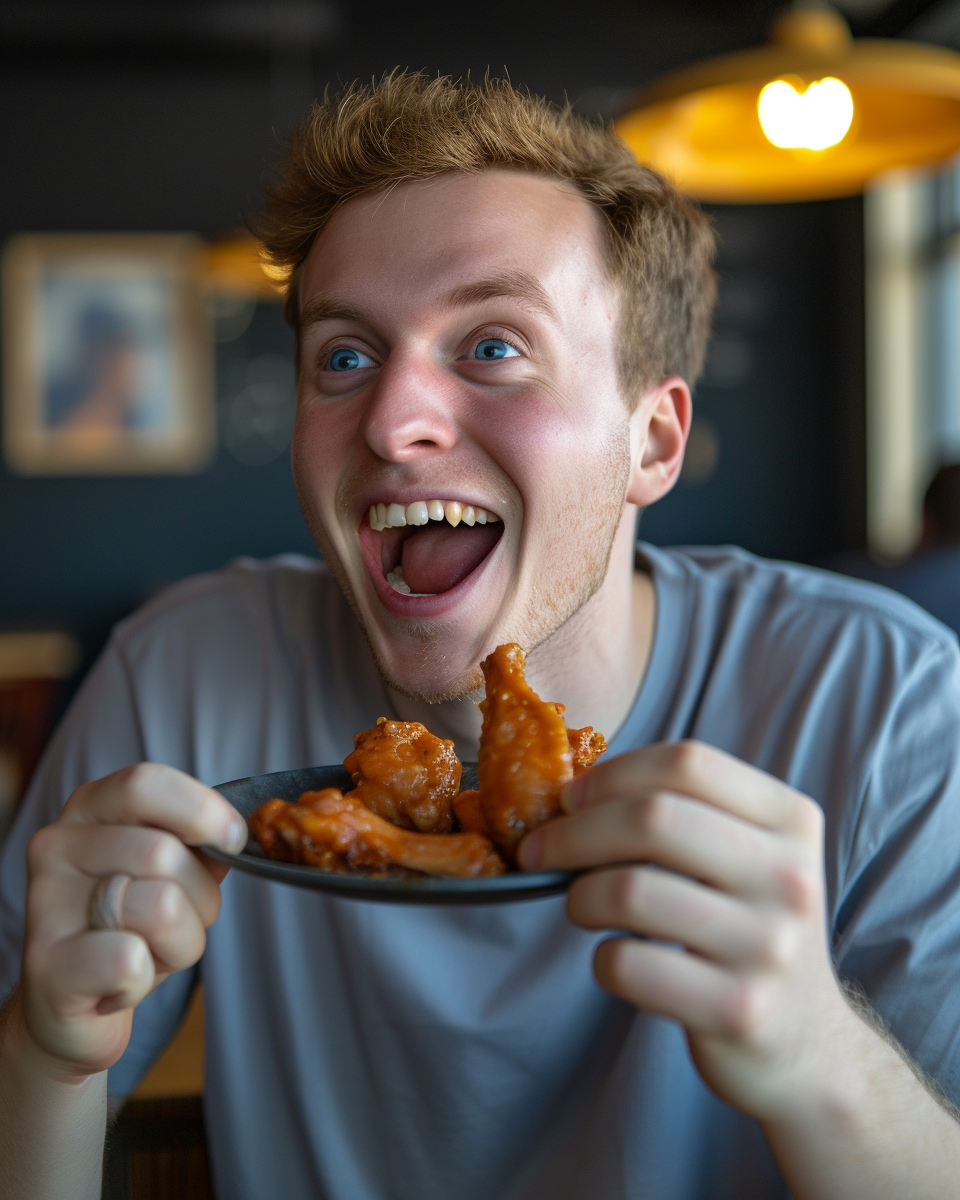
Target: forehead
[[427, 237]]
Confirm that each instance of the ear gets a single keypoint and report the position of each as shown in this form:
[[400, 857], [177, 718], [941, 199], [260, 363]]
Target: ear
[[659, 428]]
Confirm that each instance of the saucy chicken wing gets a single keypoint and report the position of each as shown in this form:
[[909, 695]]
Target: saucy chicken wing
[[525, 756], [469, 812], [586, 746], [337, 832], [406, 775]]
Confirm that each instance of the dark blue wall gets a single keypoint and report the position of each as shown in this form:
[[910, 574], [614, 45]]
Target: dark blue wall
[[783, 391]]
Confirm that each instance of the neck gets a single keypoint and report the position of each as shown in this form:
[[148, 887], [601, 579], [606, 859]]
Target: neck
[[593, 664]]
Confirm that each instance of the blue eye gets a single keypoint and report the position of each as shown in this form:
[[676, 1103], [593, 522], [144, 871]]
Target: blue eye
[[345, 359], [491, 349]]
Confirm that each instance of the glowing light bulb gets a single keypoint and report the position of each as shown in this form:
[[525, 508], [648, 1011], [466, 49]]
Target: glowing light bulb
[[810, 120]]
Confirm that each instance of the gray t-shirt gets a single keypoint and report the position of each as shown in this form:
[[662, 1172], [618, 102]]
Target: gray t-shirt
[[370, 1052]]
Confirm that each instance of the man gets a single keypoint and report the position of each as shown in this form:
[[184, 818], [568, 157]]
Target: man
[[496, 307]]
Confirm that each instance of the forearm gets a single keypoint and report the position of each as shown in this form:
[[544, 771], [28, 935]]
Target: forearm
[[875, 1131], [52, 1127]]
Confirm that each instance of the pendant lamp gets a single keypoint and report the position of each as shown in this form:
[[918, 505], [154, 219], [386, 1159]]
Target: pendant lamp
[[813, 114]]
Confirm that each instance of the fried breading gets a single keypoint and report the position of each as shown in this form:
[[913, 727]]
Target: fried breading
[[405, 802], [337, 832], [406, 775], [525, 756]]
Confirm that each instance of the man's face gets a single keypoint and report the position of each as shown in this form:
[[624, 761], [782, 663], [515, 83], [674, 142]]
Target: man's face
[[459, 345]]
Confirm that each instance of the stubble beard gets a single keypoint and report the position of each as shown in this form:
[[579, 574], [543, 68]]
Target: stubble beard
[[555, 598], [581, 560]]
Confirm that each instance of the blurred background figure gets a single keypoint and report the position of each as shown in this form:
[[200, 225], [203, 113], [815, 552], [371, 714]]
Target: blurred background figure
[[99, 387], [930, 576]]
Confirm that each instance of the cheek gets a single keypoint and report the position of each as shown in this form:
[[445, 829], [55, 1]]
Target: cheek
[[544, 444], [318, 449]]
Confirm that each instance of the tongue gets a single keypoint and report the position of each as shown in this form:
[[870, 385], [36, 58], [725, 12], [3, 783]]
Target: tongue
[[437, 557]]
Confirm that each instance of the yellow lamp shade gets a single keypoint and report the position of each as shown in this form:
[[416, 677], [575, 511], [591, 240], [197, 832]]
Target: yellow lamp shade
[[701, 125]]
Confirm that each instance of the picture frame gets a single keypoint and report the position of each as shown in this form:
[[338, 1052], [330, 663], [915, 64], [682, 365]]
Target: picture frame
[[107, 355]]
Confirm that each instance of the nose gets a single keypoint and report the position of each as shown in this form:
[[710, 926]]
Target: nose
[[410, 413]]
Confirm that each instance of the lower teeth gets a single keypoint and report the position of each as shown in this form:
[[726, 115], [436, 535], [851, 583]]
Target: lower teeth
[[398, 583]]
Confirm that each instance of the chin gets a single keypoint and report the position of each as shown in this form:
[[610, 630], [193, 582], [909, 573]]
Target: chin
[[427, 664]]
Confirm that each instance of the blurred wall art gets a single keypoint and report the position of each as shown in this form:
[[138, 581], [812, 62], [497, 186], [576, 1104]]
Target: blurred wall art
[[107, 355]]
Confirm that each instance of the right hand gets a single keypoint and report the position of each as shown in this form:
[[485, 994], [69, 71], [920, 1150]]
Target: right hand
[[79, 986]]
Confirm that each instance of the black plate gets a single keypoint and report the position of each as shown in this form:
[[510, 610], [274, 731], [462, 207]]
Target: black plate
[[246, 795]]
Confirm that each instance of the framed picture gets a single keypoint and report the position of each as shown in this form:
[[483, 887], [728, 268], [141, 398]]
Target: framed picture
[[107, 355]]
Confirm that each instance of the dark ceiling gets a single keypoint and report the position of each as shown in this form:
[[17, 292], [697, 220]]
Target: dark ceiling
[[597, 55]]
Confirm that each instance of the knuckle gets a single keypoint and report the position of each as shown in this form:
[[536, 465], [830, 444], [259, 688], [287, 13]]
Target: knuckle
[[776, 942], [800, 884], [78, 798], [651, 815], [744, 1010], [611, 965], [130, 961], [687, 758], [629, 891], [170, 908], [138, 780], [161, 853], [44, 845]]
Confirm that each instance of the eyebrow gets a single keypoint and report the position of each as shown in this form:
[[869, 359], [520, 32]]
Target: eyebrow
[[322, 308], [510, 285]]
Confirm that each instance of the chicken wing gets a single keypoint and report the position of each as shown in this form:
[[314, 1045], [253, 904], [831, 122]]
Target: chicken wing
[[406, 775], [587, 746], [337, 832], [525, 756], [469, 812]]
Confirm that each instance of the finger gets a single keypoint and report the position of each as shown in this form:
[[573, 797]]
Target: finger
[[75, 974], [667, 907], [157, 795], [681, 835], [706, 774], [100, 850], [158, 910], [163, 916], [218, 870], [670, 983]]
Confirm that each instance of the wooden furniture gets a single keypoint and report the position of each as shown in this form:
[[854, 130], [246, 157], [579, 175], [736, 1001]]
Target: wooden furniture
[[158, 1151]]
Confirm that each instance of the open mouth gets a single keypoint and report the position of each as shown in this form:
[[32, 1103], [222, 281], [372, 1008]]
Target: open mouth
[[430, 546]]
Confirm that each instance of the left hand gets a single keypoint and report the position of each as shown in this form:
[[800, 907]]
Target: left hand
[[725, 864]]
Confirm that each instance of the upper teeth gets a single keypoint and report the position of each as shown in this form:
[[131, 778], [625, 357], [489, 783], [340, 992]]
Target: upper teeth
[[393, 516]]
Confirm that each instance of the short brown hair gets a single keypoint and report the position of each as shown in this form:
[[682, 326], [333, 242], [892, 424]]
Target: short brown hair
[[409, 127]]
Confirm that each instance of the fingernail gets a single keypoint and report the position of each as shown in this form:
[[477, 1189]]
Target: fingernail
[[530, 852], [237, 836]]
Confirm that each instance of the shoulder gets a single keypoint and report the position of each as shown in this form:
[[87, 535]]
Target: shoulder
[[245, 596], [728, 588], [236, 672], [811, 676]]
